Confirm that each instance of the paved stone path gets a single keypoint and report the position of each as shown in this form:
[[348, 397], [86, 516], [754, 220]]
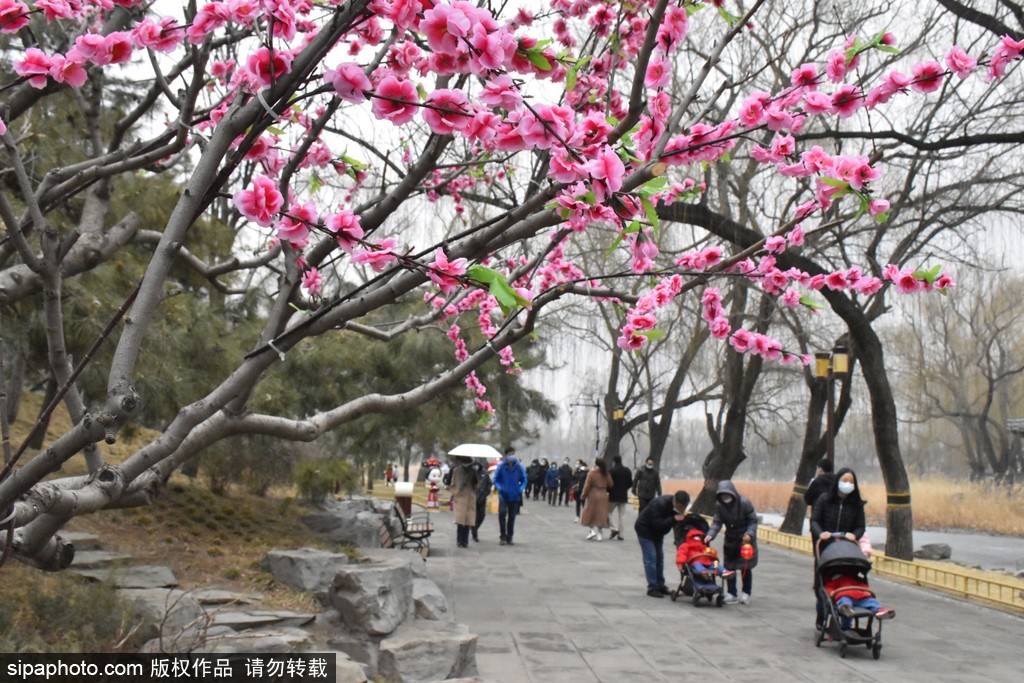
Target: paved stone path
[[555, 607]]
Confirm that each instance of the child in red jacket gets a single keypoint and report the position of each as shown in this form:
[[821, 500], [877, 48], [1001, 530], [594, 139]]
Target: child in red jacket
[[703, 560], [849, 593]]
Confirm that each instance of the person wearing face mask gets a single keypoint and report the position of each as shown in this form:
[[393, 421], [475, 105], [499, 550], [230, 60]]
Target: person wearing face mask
[[735, 513], [646, 484], [839, 512], [510, 481]]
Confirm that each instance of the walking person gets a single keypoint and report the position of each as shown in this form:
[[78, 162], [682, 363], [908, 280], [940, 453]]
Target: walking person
[[551, 483], [510, 480], [839, 512], [595, 493], [464, 480], [618, 496], [821, 484], [651, 526], [736, 514], [647, 483], [564, 482], [483, 490], [579, 478]]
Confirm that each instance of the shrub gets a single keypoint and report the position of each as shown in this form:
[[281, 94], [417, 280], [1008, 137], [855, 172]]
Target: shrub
[[318, 477], [60, 613]]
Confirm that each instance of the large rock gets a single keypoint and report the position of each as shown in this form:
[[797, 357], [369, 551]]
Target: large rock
[[373, 597], [305, 569], [139, 576], [165, 612], [428, 600], [355, 521], [241, 620], [934, 551], [420, 655], [283, 639], [360, 648]]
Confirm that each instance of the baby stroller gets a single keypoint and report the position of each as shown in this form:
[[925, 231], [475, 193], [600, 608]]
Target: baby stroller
[[705, 583], [845, 557]]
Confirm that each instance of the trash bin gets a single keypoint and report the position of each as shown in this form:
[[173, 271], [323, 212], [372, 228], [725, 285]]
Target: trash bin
[[403, 496]]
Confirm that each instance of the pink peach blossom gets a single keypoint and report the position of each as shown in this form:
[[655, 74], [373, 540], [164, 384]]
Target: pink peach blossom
[[345, 227], [312, 281], [261, 202], [395, 101], [960, 63], [349, 81]]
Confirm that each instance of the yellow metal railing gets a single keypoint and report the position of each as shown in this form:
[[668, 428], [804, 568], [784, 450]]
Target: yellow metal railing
[[988, 587]]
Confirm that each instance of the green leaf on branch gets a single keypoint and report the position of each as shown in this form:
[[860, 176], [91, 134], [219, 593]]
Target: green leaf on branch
[[930, 275], [497, 284], [573, 74], [653, 186], [537, 58], [653, 335], [274, 130], [882, 217], [810, 303], [834, 182], [650, 211], [730, 19], [353, 162]]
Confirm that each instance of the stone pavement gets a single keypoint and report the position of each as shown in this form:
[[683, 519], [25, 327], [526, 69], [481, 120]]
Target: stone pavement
[[555, 607]]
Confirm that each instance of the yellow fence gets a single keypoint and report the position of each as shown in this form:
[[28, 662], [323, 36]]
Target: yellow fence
[[989, 587]]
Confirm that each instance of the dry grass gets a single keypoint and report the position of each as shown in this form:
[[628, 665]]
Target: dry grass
[[937, 503], [205, 539]]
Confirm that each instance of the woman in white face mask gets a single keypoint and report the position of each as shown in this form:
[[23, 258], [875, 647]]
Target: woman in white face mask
[[838, 513]]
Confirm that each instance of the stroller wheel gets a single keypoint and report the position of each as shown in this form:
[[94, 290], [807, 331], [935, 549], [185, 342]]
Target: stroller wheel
[[720, 600], [876, 650], [696, 597], [674, 595], [842, 650]]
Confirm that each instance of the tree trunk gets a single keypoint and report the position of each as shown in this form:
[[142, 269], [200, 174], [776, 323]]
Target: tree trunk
[[793, 522], [728, 456], [40, 436], [899, 518]]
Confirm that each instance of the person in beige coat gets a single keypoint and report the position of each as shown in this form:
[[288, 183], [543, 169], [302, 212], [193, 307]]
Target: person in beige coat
[[595, 493], [464, 479]]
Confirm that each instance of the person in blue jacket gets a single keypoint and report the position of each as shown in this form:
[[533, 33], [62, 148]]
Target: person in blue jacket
[[510, 481]]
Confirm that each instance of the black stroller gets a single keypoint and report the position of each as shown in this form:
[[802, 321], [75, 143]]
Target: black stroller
[[845, 557]]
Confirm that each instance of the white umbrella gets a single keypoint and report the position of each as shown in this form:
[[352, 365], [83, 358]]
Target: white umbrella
[[475, 450]]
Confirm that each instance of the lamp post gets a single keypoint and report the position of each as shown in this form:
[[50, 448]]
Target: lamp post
[[597, 423], [830, 366]]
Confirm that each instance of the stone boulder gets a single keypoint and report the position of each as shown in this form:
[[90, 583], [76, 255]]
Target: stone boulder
[[305, 569], [428, 600], [165, 612], [421, 654], [373, 597], [934, 551], [356, 522], [138, 576]]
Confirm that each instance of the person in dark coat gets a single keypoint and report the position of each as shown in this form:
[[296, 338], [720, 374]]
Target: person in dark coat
[[483, 490], [647, 483], [564, 482], [531, 478], [618, 495], [735, 513], [837, 512], [822, 483], [652, 525], [551, 483], [579, 478], [840, 511]]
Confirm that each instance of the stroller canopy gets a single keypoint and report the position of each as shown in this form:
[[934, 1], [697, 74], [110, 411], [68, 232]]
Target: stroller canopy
[[841, 554]]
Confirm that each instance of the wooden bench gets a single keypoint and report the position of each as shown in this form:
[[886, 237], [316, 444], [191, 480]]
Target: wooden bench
[[416, 531]]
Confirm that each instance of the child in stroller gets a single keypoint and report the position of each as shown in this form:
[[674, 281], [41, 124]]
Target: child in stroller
[[698, 565], [843, 570]]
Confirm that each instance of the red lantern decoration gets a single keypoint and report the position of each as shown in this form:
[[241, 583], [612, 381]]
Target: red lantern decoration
[[747, 551]]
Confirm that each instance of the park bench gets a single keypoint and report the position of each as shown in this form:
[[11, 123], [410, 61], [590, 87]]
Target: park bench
[[415, 532]]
